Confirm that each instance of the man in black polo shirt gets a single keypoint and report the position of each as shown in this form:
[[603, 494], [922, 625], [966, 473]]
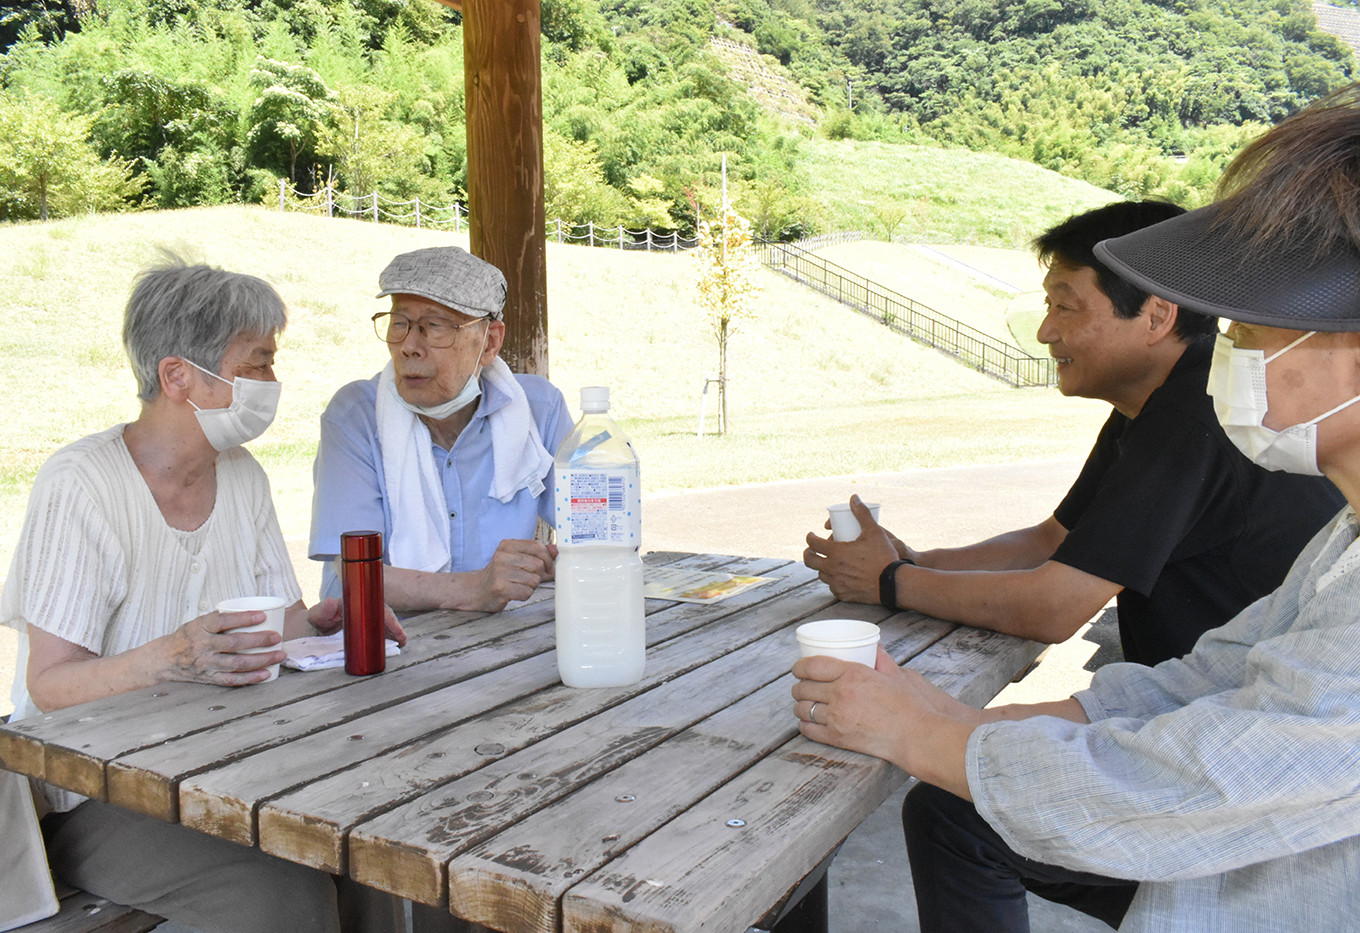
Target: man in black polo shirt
[[1166, 513]]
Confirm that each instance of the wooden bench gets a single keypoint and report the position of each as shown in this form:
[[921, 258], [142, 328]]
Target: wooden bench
[[82, 912]]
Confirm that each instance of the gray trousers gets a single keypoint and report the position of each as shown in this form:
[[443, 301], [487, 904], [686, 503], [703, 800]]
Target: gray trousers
[[194, 880]]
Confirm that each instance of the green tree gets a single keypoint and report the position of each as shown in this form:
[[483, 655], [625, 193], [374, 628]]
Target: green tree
[[372, 152], [286, 119], [647, 207], [179, 132], [47, 167], [45, 19], [574, 189]]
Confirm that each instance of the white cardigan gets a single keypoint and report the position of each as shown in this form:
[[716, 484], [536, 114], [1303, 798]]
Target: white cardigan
[[97, 565]]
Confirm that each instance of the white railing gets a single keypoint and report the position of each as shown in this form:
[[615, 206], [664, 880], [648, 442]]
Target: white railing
[[379, 209]]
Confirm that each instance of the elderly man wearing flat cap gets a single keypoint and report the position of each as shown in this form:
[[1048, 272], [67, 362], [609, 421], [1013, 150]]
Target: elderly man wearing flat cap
[[445, 451], [1218, 792]]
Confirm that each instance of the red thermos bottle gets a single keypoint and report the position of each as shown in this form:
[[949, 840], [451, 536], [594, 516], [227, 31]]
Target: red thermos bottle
[[362, 594]]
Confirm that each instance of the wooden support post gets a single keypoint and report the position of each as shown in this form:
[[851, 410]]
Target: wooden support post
[[504, 101]]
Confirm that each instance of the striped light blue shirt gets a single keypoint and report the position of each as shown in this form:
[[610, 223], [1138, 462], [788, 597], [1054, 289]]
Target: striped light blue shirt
[[1227, 782]]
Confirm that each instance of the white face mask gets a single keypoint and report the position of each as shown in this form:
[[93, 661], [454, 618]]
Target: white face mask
[[1237, 384], [252, 408], [470, 392]]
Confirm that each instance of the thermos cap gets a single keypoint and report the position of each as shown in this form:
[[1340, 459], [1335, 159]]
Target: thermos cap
[[361, 545]]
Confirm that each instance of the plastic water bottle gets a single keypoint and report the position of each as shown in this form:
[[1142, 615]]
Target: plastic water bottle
[[601, 635]]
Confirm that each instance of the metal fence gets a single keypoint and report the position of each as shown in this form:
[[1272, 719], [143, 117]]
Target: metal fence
[[972, 347]]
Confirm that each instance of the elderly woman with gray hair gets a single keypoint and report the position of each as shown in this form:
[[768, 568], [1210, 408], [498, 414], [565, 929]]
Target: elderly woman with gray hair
[[132, 537]]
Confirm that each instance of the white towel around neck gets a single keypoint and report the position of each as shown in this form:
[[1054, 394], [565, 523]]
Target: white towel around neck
[[420, 527], [521, 459]]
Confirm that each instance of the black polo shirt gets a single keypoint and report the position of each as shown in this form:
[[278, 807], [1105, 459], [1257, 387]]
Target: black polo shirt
[[1169, 509]]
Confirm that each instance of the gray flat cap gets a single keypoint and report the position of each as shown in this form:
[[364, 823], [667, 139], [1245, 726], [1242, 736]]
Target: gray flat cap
[[451, 276]]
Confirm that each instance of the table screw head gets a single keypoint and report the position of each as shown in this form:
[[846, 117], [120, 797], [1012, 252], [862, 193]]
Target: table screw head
[[355, 738], [612, 837], [625, 798], [736, 824], [280, 722], [490, 748], [215, 709]]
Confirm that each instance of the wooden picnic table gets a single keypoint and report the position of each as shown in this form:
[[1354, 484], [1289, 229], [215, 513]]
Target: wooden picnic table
[[468, 777]]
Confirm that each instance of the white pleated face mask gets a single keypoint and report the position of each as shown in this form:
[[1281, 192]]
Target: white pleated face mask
[[253, 405], [1237, 384]]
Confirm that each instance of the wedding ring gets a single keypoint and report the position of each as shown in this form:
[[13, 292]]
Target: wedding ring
[[812, 713]]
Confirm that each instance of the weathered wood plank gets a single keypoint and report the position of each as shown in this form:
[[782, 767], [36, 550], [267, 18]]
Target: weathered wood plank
[[20, 753], [223, 801], [70, 747], [461, 645], [974, 664], [148, 780], [701, 872], [82, 912], [310, 824], [721, 864], [413, 842], [77, 742], [516, 880]]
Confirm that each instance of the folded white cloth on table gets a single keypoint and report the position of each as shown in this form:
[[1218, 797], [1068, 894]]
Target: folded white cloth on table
[[26, 892], [322, 651]]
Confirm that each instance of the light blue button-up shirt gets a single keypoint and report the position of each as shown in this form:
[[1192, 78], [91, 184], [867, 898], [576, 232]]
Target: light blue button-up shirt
[[1226, 782], [350, 490]]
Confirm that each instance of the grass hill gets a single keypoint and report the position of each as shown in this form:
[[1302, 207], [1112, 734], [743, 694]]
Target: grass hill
[[938, 194], [816, 388]]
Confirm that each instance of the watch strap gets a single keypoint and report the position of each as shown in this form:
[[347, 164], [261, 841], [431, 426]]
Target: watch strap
[[887, 583]]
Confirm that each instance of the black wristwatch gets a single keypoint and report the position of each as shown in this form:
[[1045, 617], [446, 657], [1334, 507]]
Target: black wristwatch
[[887, 583]]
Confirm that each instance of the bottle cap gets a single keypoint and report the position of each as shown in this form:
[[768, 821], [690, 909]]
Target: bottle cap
[[361, 545], [595, 398]]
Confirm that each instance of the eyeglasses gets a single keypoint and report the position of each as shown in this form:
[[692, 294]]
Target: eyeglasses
[[437, 332]]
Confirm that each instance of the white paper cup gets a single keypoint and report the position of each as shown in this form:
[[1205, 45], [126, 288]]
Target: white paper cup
[[272, 607], [844, 525], [847, 639]]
